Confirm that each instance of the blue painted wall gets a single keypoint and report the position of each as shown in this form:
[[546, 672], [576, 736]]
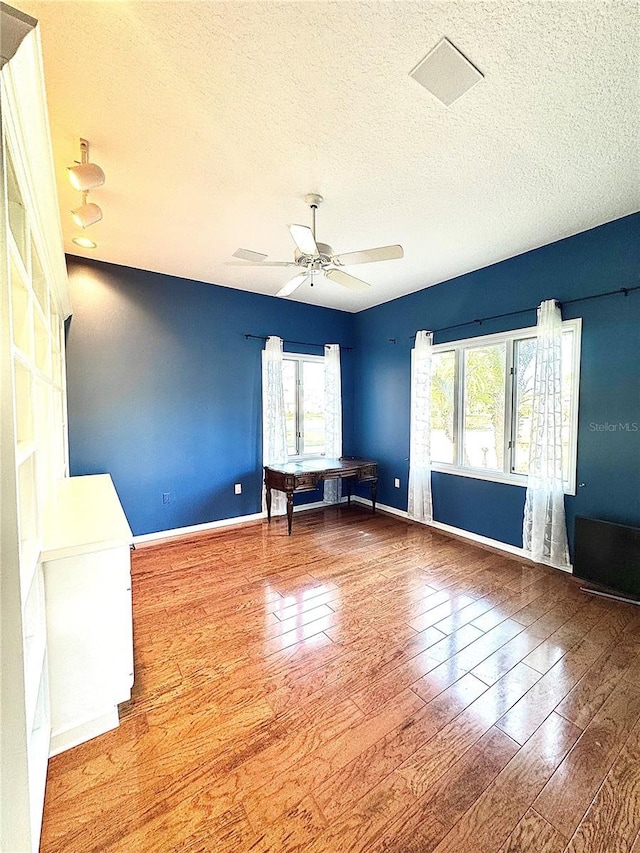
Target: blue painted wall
[[164, 391], [605, 258]]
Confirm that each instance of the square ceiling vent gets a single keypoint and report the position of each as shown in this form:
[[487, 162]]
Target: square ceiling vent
[[446, 73]]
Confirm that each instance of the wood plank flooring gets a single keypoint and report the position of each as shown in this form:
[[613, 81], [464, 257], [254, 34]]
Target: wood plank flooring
[[364, 685]]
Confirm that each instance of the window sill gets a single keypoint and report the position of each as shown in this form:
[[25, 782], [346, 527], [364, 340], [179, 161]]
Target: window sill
[[490, 476]]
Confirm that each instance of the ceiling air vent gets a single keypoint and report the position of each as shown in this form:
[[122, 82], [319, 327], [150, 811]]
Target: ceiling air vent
[[446, 73]]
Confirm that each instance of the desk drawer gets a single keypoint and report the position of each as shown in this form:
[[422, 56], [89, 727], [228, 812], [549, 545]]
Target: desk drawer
[[306, 482], [368, 472]]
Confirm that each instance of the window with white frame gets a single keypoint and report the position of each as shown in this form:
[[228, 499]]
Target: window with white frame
[[303, 380], [481, 395]]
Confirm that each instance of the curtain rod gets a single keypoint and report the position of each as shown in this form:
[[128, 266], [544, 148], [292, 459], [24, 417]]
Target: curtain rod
[[299, 343], [624, 290]]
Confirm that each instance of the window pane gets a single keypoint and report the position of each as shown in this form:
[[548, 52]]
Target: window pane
[[484, 384], [524, 362], [313, 406], [567, 396], [525, 365], [289, 369], [442, 401]]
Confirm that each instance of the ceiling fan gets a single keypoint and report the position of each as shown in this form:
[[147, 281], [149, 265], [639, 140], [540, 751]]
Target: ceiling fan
[[315, 258]]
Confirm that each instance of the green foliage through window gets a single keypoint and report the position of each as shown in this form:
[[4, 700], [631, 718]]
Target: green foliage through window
[[303, 379]]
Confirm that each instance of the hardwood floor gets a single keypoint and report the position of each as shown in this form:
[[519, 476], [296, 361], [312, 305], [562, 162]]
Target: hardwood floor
[[363, 685]]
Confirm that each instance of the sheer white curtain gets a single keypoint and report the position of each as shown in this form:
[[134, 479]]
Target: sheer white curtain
[[332, 416], [420, 505], [274, 427], [544, 530]]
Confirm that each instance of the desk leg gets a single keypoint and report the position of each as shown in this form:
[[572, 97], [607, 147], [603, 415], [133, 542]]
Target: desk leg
[[268, 499], [289, 510], [348, 492], [374, 492]]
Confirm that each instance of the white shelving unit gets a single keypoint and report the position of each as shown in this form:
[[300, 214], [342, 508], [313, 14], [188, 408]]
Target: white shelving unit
[[33, 447], [87, 575]]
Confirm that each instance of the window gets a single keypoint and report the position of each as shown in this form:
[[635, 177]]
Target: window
[[303, 380], [481, 397]]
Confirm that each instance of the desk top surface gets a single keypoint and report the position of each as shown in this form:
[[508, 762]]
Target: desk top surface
[[312, 466]]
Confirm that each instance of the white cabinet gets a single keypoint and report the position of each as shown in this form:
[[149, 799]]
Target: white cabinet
[[33, 455], [87, 574]]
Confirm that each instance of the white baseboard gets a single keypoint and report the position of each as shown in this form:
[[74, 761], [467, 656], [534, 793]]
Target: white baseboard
[[195, 528], [146, 538], [64, 739], [463, 534], [401, 513]]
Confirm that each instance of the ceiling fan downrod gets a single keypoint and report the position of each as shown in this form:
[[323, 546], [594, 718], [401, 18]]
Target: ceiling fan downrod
[[313, 200]]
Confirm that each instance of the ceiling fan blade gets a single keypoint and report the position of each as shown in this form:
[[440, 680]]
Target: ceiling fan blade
[[260, 264], [346, 280], [294, 284], [304, 239], [248, 255], [368, 256]]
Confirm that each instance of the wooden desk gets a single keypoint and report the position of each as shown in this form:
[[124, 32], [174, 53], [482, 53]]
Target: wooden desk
[[304, 476]]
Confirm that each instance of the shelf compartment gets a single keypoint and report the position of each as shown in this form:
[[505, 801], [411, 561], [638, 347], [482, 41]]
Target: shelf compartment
[[28, 519], [18, 222], [35, 640], [23, 391], [24, 449], [45, 439], [39, 281], [57, 368], [58, 448], [38, 752], [42, 344], [21, 318]]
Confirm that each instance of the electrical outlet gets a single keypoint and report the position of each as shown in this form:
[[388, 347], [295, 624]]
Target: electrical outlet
[[166, 497], [396, 483], [238, 488]]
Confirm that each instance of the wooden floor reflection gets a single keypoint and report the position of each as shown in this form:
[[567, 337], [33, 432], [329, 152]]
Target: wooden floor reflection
[[363, 685]]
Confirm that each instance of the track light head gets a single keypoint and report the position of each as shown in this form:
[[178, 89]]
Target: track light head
[[86, 176], [86, 215], [84, 243]]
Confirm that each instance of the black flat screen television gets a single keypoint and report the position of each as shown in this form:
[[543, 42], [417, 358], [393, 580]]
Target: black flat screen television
[[608, 555]]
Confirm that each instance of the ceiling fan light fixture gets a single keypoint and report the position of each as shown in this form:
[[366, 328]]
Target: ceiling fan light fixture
[[86, 215]]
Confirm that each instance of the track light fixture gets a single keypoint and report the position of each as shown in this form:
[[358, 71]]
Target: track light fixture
[[86, 215], [85, 176]]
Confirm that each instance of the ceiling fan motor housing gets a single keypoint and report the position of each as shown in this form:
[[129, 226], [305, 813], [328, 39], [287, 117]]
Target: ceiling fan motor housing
[[323, 258]]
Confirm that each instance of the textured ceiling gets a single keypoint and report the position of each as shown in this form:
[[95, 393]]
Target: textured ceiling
[[213, 119]]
